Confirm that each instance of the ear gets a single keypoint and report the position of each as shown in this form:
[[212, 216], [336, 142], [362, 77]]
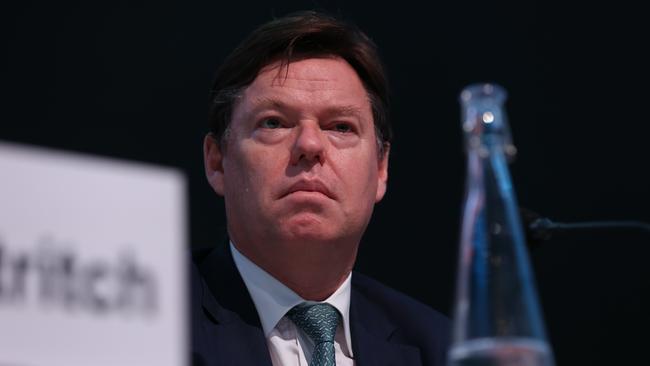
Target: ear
[[382, 173], [213, 163]]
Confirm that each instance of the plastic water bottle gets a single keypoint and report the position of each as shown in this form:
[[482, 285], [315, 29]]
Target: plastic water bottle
[[497, 319]]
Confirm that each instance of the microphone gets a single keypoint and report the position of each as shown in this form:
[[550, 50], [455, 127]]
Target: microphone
[[539, 229]]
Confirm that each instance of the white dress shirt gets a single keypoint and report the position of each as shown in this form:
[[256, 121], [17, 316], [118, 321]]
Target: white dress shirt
[[288, 344]]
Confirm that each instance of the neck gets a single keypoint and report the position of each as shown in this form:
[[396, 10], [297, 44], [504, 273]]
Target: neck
[[313, 271]]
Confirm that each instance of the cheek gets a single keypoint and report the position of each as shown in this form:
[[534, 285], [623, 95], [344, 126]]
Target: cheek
[[245, 172], [360, 176]]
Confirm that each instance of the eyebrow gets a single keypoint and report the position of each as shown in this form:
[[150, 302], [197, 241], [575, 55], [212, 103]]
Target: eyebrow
[[263, 103]]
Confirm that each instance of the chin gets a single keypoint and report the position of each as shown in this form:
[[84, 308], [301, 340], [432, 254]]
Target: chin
[[309, 228]]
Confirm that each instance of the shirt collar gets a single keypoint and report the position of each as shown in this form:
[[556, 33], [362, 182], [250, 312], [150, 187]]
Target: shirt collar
[[273, 299]]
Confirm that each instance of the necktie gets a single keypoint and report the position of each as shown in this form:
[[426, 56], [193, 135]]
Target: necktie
[[319, 322]]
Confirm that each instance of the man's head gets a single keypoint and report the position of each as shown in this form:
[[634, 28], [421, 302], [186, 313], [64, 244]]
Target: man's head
[[297, 151], [293, 37]]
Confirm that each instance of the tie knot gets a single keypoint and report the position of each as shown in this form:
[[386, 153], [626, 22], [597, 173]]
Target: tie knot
[[319, 321]]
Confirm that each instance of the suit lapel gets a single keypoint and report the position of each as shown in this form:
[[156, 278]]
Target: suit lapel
[[239, 337], [227, 287], [371, 332]]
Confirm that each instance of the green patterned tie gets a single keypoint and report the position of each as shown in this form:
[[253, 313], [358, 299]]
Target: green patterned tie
[[319, 321]]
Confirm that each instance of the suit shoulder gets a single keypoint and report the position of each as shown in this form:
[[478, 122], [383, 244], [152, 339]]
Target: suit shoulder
[[416, 319], [378, 292]]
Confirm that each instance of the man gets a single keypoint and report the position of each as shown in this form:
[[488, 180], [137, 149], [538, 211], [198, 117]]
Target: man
[[299, 148]]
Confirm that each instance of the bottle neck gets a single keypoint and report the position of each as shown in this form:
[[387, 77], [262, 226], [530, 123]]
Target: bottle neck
[[487, 157], [484, 121]]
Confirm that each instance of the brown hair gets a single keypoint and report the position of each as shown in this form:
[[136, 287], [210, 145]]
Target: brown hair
[[298, 36]]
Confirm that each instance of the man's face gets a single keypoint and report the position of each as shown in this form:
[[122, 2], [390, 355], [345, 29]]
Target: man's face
[[301, 162]]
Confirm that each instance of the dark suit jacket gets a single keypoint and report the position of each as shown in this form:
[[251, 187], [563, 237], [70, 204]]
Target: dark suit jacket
[[387, 327]]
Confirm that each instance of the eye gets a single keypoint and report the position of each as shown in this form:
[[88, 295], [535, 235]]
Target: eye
[[270, 123], [342, 127]]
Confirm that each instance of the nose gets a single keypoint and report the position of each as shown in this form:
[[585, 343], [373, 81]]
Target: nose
[[309, 146]]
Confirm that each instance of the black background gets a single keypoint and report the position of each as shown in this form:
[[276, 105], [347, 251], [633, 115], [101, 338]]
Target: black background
[[130, 79]]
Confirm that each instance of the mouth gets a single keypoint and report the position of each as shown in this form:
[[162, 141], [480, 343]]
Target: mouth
[[309, 186]]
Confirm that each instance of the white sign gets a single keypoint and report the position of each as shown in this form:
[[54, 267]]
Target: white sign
[[92, 261]]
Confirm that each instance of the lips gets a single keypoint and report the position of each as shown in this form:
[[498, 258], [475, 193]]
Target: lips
[[313, 185]]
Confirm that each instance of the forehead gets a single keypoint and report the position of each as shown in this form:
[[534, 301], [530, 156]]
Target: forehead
[[310, 82]]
